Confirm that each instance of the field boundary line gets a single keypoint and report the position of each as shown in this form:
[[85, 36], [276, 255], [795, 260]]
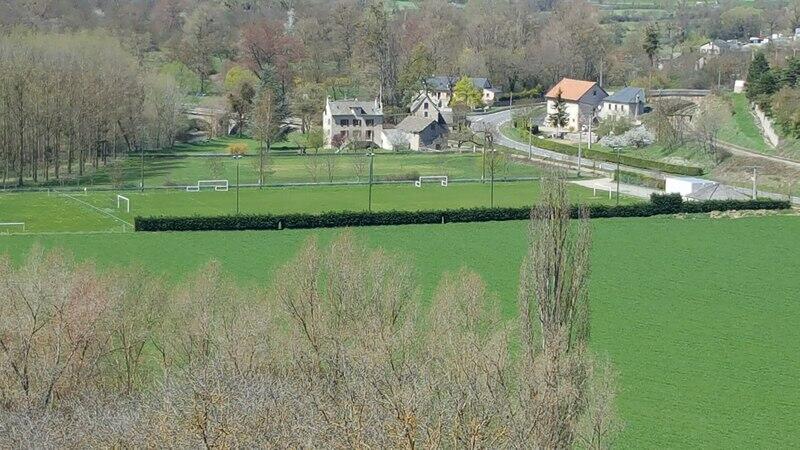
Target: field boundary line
[[99, 210]]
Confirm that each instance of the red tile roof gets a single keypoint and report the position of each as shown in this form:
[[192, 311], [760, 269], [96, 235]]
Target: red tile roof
[[571, 90]]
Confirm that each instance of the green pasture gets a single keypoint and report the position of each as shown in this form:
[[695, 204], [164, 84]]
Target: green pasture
[[97, 211], [699, 316]]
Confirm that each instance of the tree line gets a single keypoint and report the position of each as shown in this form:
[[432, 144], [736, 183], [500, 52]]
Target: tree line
[[72, 102], [336, 352]]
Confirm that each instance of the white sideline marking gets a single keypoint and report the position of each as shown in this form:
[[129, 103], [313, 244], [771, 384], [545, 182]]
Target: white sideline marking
[[98, 209]]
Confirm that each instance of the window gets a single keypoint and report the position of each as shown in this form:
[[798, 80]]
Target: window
[[369, 135], [426, 113], [370, 122], [344, 122], [425, 105], [356, 123]]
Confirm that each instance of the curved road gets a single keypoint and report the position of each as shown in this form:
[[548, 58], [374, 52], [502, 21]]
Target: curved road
[[493, 122]]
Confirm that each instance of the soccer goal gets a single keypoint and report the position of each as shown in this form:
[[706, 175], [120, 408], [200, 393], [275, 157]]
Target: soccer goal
[[122, 199], [218, 185], [12, 224], [440, 178]]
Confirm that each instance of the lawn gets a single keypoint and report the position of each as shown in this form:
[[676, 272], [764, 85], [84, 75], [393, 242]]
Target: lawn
[[698, 315], [97, 211], [208, 161]]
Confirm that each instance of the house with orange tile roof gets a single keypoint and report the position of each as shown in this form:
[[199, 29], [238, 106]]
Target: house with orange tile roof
[[581, 99]]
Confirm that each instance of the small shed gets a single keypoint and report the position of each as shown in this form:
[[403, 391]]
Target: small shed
[[684, 185]]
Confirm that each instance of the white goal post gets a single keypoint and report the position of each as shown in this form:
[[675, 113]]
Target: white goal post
[[127, 201], [218, 185], [13, 224], [440, 178]]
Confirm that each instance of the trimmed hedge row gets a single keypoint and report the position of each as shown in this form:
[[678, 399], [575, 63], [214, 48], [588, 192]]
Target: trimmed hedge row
[[640, 179], [612, 158], [660, 204]]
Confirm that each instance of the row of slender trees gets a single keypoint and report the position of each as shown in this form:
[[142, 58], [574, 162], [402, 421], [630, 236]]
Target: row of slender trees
[[73, 102]]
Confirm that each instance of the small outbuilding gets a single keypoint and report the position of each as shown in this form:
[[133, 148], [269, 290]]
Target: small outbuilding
[[425, 132], [685, 185], [627, 102]]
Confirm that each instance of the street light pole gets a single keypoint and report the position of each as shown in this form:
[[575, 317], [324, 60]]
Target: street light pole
[[619, 150], [371, 161], [530, 137], [237, 158]]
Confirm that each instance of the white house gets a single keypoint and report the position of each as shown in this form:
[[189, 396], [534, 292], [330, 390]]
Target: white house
[[627, 102], [685, 186], [581, 100], [352, 121], [440, 89]]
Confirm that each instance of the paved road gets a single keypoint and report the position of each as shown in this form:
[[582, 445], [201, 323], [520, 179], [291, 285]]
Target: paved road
[[744, 151], [493, 123]]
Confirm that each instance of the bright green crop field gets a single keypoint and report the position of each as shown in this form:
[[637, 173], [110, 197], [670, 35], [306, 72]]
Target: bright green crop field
[[698, 315], [97, 211]]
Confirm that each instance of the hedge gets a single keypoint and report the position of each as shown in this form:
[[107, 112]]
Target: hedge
[[659, 204], [640, 179], [627, 160], [612, 158]]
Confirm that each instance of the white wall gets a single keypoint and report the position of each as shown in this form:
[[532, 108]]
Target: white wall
[[684, 185]]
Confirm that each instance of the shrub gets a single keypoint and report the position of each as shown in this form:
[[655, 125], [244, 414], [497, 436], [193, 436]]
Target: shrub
[[659, 204], [639, 179], [627, 160], [636, 137]]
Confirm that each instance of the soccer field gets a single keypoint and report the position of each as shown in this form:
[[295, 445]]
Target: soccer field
[[699, 316], [97, 211]]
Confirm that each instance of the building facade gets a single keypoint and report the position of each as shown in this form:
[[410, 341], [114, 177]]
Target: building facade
[[581, 101], [352, 121]]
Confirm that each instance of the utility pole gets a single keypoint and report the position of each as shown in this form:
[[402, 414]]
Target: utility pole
[[619, 150], [493, 167], [141, 180], [237, 158], [754, 179], [371, 161], [530, 137], [580, 135]]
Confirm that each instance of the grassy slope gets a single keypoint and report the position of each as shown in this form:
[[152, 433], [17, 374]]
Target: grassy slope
[[705, 344], [43, 213], [742, 129]]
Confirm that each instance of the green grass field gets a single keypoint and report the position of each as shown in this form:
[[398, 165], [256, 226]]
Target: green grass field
[[698, 315], [97, 211], [191, 163]]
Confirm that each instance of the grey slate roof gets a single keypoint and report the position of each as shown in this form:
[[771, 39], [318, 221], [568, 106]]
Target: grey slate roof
[[354, 107], [415, 124], [626, 95], [718, 191]]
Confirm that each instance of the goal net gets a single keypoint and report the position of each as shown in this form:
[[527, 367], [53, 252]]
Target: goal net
[[440, 178], [121, 200], [217, 185]]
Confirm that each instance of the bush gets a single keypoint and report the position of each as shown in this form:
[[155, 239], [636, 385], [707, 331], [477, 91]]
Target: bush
[[636, 137], [623, 159], [659, 204], [639, 179]]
